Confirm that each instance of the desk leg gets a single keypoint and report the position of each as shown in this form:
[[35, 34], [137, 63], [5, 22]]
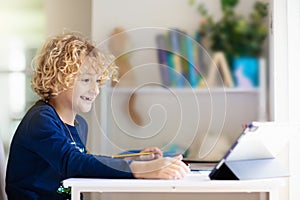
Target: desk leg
[[75, 193], [274, 195]]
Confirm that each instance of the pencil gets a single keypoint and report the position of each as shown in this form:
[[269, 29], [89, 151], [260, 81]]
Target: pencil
[[131, 154]]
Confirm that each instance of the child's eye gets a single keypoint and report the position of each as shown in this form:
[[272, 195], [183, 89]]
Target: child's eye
[[98, 80], [86, 80]]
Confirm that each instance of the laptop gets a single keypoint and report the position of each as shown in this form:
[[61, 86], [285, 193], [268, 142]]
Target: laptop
[[255, 153]]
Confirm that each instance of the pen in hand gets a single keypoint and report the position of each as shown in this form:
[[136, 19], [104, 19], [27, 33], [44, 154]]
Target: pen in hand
[[142, 156]]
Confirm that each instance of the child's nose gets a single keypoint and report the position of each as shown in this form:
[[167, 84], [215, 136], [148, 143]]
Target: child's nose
[[94, 88]]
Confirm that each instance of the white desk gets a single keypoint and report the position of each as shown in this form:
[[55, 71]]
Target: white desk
[[193, 183]]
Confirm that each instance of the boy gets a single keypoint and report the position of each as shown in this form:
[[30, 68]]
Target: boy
[[49, 144]]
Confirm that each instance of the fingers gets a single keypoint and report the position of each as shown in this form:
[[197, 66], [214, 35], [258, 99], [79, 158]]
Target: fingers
[[178, 168], [178, 157], [155, 150], [175, 168], [161, 168], [146, 157]]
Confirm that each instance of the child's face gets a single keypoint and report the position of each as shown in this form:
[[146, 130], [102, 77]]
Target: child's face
[[86, 89]]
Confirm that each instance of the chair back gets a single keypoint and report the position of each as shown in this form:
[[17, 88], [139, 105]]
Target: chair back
[[2, 172]]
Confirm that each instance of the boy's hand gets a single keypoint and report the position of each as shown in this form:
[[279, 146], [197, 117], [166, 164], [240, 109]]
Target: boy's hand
[[155, 150], [161, 168]]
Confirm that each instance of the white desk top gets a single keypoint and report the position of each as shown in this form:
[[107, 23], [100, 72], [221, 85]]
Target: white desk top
[[191, 183]]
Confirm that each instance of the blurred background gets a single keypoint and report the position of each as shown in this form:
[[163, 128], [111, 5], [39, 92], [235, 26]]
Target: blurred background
[[26, 24], [23, 28]]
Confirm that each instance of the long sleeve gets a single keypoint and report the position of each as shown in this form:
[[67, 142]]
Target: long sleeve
[[42, 155]]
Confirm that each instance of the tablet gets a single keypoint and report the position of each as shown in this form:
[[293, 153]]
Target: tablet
[[260, 140], [254, 154]]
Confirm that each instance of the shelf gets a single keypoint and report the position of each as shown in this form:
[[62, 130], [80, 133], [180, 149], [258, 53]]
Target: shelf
[[181, 90]]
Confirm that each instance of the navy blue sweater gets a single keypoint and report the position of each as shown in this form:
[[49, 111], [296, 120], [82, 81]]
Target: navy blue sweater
[[42, 154]]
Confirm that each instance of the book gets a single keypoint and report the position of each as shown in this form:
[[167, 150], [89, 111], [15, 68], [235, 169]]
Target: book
[[170, 63], [163, 59], [174, 39], [184, 60], [192, 70], [199, 49], [184, 57]]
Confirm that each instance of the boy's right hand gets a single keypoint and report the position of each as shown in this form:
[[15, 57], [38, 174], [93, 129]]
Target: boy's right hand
[[161, 168]]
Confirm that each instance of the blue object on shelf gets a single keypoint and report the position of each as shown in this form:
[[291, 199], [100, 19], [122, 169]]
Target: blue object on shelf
[[246, 71]]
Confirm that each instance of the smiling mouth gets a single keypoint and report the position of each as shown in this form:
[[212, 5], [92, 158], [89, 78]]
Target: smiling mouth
[[88, 99]]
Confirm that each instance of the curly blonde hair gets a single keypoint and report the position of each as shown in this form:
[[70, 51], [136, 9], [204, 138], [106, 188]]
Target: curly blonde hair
[[59, 62]]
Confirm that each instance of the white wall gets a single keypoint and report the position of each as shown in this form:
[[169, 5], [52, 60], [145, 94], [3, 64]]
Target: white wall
[[72, 15], [285, 82], [108, 14]]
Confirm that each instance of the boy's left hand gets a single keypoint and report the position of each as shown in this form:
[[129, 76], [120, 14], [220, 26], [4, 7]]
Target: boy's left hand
[[156, 151]]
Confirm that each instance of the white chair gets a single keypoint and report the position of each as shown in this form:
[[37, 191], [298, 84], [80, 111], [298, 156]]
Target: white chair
[[2, 172]]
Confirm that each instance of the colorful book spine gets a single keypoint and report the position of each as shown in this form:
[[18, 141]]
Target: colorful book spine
[[183, 57], [184, 60], [200, 57], [163, 59], [170, 61], [174, 39], [193, 75]]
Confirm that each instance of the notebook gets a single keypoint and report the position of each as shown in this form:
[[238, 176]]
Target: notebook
[[254, 154]]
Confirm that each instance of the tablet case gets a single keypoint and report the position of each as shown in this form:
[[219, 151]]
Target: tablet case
[[248, 169], [249, 166]]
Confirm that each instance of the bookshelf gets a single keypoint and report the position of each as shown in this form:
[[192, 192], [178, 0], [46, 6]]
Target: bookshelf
[[112, 115], [111, 132], [175, 116]]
